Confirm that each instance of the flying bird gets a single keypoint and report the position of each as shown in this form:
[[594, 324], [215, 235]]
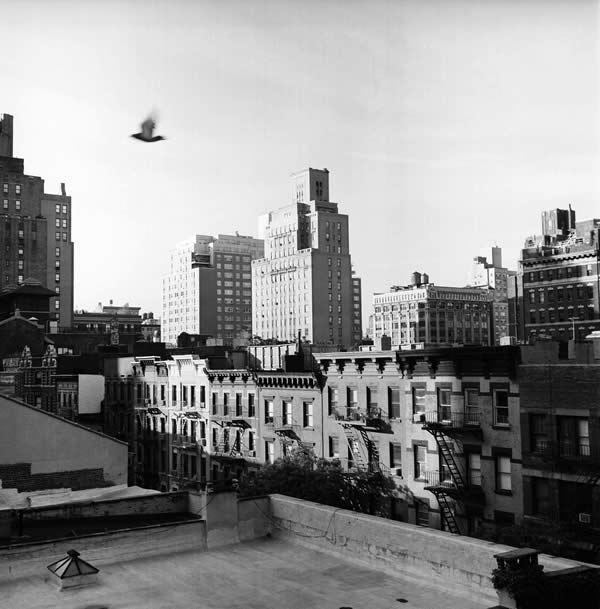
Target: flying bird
[[147, 130]]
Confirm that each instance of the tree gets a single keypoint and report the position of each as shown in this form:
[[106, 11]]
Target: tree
[[303, 476]]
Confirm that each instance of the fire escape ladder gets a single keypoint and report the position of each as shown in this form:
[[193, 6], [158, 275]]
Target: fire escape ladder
[[354, 444], [372, 450], [447, 513], [448, 456], [236, 446]]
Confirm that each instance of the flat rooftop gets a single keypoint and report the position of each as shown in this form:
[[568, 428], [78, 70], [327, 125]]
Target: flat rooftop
[[261, 574]]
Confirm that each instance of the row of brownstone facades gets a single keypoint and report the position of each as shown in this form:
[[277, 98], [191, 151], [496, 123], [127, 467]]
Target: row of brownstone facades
[[454, 428]]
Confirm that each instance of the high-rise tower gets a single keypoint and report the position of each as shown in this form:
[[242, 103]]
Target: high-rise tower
[[305, 281], [208, 288], [35, 231]]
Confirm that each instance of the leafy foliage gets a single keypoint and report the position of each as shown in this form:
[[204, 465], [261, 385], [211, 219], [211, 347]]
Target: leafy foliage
[[303, 476]]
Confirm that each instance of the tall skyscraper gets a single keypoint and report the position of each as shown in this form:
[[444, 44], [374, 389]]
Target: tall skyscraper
[[489, 274], [208, 289], [35, 231], [305, 282]]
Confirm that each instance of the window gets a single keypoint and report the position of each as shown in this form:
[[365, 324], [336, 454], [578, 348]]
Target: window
[[5, 189], [17, 189], [539, 434], [474, 467], [238, 404], [251, 406], [269, 451], [541, 504], [57, 236], [56, 302], [334, 447], [501, 407], [287, 413], [5, 204], [57, 277], [225, 404], [396, 458], [269, 412], [333, 400], [352, 398], [444, 405], [372, 401], [64, 209], [57, 221], [64, 223], [64, 236], [472, 406], [573, 437], [394, 402], [57, 251], [503, 474], [307, 414], [57, 208], [418, 400], [422, 513], [420, 454]]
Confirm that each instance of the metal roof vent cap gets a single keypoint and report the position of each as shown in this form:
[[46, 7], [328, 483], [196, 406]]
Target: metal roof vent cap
[[72, 571]]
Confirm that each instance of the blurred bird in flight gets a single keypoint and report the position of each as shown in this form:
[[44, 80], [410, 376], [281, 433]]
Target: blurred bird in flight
[[148, 127]]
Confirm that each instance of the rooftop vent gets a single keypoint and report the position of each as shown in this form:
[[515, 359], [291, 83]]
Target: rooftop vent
[[73, 571]]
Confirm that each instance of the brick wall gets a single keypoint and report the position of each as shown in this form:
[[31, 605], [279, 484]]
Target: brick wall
[[19, 476]]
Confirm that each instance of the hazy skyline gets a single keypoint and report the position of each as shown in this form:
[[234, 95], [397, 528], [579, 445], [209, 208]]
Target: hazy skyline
[[447, 126]]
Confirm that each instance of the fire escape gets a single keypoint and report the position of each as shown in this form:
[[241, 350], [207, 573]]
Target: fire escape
[[357, 425], [287, 429], [449, 487]]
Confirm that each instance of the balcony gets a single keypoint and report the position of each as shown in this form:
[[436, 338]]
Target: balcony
[[350, 414], [448, 421], [184, 441], [377, 420], [442, 482], [566, 451]]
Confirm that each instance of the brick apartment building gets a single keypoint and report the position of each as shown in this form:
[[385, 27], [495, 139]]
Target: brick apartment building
[[35, 231], [560, 273]]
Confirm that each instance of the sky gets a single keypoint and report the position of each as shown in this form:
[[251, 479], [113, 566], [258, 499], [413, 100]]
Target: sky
[[447, 125]]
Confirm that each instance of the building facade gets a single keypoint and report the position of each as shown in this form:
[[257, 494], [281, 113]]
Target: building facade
[[488, 274], [208, 289], [305, 281], [423, 314], [443, 423], [35, 231], [559, 275], [560, 423]]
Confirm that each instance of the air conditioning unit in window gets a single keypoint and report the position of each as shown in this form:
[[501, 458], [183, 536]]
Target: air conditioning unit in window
[[397, 471], [585, 518], [252, 453], [418, 417]]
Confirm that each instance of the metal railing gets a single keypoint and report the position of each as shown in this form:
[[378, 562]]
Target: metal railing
[[568, 449], [447, 418], [437, 479]]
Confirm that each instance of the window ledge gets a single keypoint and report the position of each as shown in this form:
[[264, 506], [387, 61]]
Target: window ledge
[[501, 492], [503, 426]]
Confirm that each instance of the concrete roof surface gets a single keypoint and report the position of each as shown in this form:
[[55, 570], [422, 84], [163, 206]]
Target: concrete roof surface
[[262, 574]]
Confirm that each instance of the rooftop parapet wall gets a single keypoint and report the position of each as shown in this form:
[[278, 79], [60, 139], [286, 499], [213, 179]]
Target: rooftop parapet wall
[[451, 561]]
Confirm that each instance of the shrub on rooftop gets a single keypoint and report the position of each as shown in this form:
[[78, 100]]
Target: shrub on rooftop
[[303, 476]]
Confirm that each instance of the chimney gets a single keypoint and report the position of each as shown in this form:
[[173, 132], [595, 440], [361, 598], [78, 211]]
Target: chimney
[[63, 190]]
